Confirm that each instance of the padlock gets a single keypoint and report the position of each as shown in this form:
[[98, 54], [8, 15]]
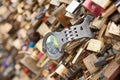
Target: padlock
[[98, 22], [39, 45], [55, 2], [111, 9], [45, 72], [27, 60], [61, 70], [72, 6], [3, 28], [103, 3], [43, 29], [112, 70], [68, 14], [107, 34], [78, 16], [114, 29], [89, 63], [20, 18], [3, 10], [39, 55], [34, 55], [65, 1], [30, 2], [93, 8], [95, 45], [52, 19], [59, 13], [116, 45], [20, 7], [22, 33], [18, 43]]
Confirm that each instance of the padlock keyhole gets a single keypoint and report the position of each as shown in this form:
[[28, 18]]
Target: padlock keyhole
[[81, 28]]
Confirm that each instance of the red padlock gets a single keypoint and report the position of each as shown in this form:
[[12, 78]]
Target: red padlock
[[93, 8], [39, 55]]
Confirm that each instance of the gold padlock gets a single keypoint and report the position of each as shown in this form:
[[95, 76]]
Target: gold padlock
[[114, 29], [43, 29], [98, 22], [65, 1], [19, 7], [55, 2], [89, 63], [103, 3], [61, 70], [95, 45]]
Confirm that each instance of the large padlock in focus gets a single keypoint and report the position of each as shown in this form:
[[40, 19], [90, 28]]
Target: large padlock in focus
[[93, 8]]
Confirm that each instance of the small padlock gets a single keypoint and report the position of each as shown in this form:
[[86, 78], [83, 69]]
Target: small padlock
[[111, 71], [68, 14], [34, 55], [65, 1], [61, 70], [18, 43], [72, 6], [98, 22], [95, 45], [111, 9], [114, 29], [93, 8], [107, 34], [43, 29], [55, 2], [89, 63], [103, 3]]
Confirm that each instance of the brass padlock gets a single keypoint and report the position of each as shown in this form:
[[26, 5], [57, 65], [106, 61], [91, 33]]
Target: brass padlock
[[114, 29], [111, 9], [17, 43], [107, 34], [89, 63], [98, 22], [68, 14], [55, 2], [34, 55], [43, 29], [103, 3], [19, 7], [95, 45], [65, 1], [59, 13], [61, 70], [112, 70]]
